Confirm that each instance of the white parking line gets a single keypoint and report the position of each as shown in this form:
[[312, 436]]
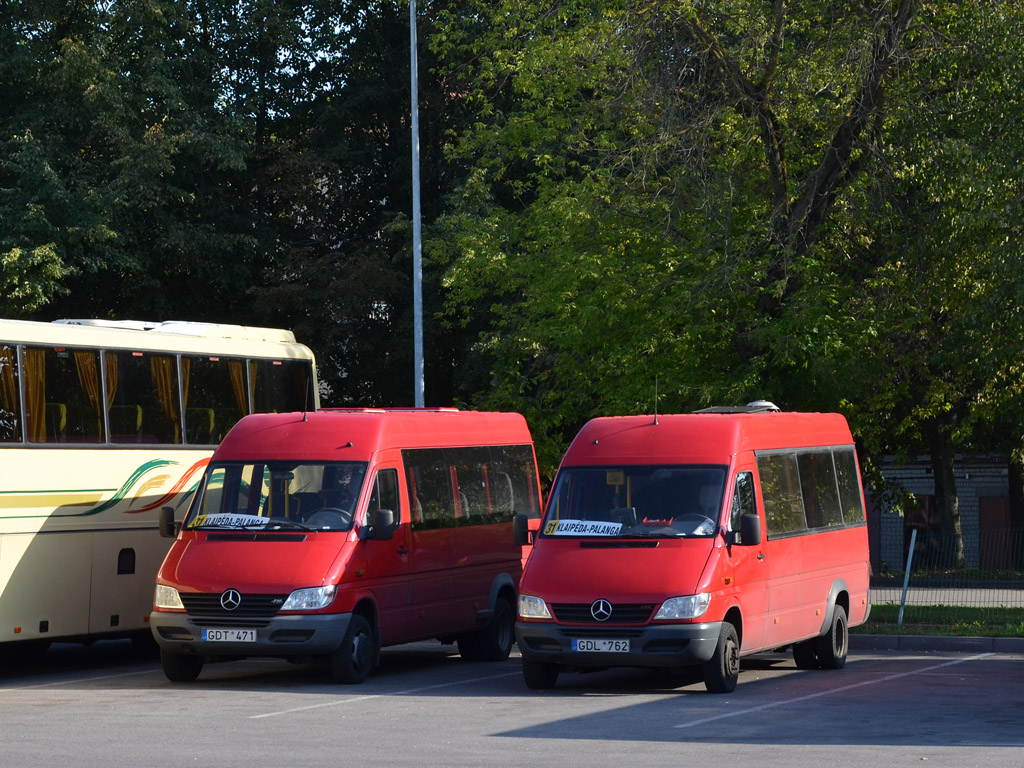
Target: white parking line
[[406, 692], [831, 691]]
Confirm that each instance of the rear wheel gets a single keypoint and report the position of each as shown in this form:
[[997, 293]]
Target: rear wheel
[[722, 670], [354, 660], [179, 667], [539, 675], [805, 654], [493, 642], [833, 645]]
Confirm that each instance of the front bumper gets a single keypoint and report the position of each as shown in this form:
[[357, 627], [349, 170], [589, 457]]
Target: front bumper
[[660, 647], [281, 636]]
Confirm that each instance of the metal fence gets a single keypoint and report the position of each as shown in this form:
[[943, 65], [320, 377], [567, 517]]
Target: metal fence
[[914, 567]]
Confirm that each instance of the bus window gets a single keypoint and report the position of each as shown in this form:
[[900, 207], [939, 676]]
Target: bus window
[[216, 396], [281, 385], [143, 394], [10, 410], [73, 375]]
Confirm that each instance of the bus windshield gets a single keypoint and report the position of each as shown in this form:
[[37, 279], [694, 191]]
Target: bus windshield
[[278, 495], [636, 501]]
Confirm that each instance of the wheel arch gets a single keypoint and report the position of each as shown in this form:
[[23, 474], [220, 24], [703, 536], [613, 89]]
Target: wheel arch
[[838, 595]]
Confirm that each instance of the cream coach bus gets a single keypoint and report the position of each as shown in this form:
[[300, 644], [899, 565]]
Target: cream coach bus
[[102, 423]]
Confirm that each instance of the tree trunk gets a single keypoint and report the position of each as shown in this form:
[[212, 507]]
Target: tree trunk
[[946, 498]]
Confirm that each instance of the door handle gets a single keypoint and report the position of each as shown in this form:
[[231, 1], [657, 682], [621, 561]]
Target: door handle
[[760, 555], [405, 551]]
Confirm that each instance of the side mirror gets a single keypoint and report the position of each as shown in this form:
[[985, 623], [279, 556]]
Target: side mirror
[[382, 524], [521, 530], [750, 530], [168, 528]]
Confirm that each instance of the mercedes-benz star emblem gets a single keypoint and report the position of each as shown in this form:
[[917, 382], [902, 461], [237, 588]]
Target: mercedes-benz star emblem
[[230, 600], [601, 610]]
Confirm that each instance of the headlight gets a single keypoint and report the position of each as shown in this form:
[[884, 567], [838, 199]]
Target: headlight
[[689, 607], [531, 607], [168, 598], [312, 599]]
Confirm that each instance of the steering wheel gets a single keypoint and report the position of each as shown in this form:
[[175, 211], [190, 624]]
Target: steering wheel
[[329, 517]]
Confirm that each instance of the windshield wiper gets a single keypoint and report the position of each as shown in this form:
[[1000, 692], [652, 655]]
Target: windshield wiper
[[283, 525], [650, 535]]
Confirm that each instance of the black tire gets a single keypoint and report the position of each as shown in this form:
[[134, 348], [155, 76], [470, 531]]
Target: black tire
[[540, 675], [722, 670], [355, 659], [833, 645], [805, 654], [180, 667], [493, 642]]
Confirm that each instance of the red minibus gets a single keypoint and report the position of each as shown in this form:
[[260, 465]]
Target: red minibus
[[685, 540], [333, 533]]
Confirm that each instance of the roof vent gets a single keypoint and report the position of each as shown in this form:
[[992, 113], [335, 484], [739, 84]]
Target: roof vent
[[763, 405]]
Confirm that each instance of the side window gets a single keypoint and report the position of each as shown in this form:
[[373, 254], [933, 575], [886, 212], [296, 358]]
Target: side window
[[281, 385], [847, 478], [742, 501], [142, 397], [430, 488], [216, 396], [783, 498], [10, 409], [385, 493], [818, 482]]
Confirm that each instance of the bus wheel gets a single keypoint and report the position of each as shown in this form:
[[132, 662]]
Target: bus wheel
[[833, 645], [805, 654], [179, 667], [722, 670], [539, 675], [352, 662], [493, 642]]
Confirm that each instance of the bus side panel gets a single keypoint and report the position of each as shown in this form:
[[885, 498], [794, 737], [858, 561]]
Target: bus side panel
[[124, 570], [482, 552], [803, 571], [45, 585]]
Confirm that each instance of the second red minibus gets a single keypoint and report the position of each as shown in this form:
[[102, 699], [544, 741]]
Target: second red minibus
[[331, 534], [694, 539]]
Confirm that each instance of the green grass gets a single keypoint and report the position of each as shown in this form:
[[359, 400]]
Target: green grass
[[945, 620]]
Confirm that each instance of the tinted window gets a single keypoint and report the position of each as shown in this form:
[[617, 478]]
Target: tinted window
[[848, 480], [470, 486], [63, 395], [216, 396], [143, 396], [281, 385], [780, 490], [818, 484]]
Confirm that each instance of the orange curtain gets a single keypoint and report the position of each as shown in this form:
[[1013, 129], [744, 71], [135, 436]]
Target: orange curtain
[[35, 394], [9, 391], [186, 369], [238, 385], [89, 378], [164, 381]]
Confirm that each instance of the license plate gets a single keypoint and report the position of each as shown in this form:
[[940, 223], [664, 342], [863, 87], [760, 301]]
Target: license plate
[[601, 646], [229, 635]]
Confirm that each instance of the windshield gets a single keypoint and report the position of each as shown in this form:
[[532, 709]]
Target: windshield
[[278, 495], [636, 501]]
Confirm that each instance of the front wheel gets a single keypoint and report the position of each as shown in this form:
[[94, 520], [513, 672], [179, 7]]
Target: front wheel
[[179, 667], [352, 662], [722, 670], [833, 645], [539, 675]]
